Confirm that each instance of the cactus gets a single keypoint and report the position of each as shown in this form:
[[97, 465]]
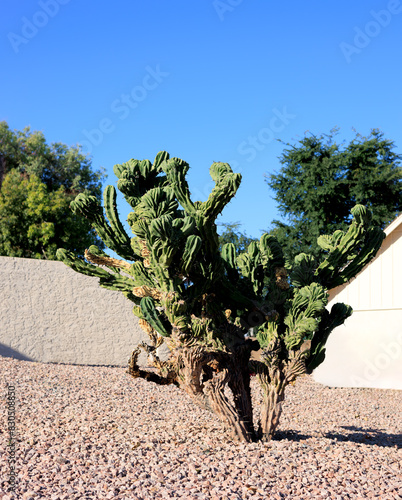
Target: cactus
[[202, 301]]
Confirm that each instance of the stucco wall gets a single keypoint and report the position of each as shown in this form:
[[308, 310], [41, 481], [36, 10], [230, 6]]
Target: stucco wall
[[50, 313]]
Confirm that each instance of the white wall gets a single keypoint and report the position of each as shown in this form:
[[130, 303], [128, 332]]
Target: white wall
[[50, 313], [367, 350]]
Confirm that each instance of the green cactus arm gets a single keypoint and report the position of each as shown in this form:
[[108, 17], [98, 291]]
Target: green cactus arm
[[339, 256], [164, 240], [329, 320], [253, 250], [353, 250], [89, 207], [271, 253], [175, 309], [188, 225], [228, 254], [163, 253], [205, 213], [303, 270], [128, 183], [145, 167], [161, 228], [374, 238], [157, 202], [139, 226], [330, 242], [209, 234], [325, 242], [118, 170], [362, 215], [137, 311], [79, 265], [121, 238], [257, 269], [153, 317], [303, 317], [109, 280], [251, 270], [226, 186], [142, 276], [137, 246], [161, 157], [175, 170], [159, 266], [136, 177], [113, 264], [191, 249], [218, 171], [244, 263], [266, 333], [119, 283]]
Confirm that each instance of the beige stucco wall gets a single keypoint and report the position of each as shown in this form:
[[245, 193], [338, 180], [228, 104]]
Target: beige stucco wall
[[367, 350], [50, 313]]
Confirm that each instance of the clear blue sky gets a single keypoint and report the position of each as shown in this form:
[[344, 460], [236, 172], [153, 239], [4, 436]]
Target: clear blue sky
[[204, 80]]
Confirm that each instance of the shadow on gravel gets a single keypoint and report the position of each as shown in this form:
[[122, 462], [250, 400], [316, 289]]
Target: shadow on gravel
[[290, 435], [367, 436], [352, 433]]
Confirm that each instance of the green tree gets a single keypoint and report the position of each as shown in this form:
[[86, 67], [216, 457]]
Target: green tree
[[321, 180], [37, 183], [34, 221], [232, 234]]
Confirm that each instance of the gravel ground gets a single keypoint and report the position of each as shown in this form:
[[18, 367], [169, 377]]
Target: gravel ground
[[85, 432]]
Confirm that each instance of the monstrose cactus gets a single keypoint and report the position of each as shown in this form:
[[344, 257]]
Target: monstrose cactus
[[201, 301]]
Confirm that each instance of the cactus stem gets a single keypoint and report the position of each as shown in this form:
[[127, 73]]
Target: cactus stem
[[106, 261]]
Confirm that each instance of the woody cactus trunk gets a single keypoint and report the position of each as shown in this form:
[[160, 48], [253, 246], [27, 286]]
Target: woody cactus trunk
[[202, 301]]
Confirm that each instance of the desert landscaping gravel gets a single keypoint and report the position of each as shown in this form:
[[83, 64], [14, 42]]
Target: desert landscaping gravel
[[85, 432]]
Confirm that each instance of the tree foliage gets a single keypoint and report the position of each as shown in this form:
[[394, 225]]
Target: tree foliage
[[38, 181], [321, 180], [35, 222]]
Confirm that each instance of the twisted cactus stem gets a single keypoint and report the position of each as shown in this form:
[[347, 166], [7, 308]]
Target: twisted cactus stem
[[271, 410], [202, 377], [136, 372], [215, 390], [239, 384], [190, 375], [274, 377]]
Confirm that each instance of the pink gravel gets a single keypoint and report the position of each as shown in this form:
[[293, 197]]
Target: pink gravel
[[85, 432]]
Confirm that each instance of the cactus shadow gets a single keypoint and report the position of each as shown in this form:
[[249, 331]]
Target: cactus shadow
[[290, 436], [361, 435], [367, 435], [8, 352]]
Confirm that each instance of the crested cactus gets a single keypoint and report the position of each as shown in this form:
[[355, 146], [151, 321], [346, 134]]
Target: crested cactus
[[201, 301]]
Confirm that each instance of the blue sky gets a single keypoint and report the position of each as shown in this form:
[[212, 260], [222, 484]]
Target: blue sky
[[205, 80]]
